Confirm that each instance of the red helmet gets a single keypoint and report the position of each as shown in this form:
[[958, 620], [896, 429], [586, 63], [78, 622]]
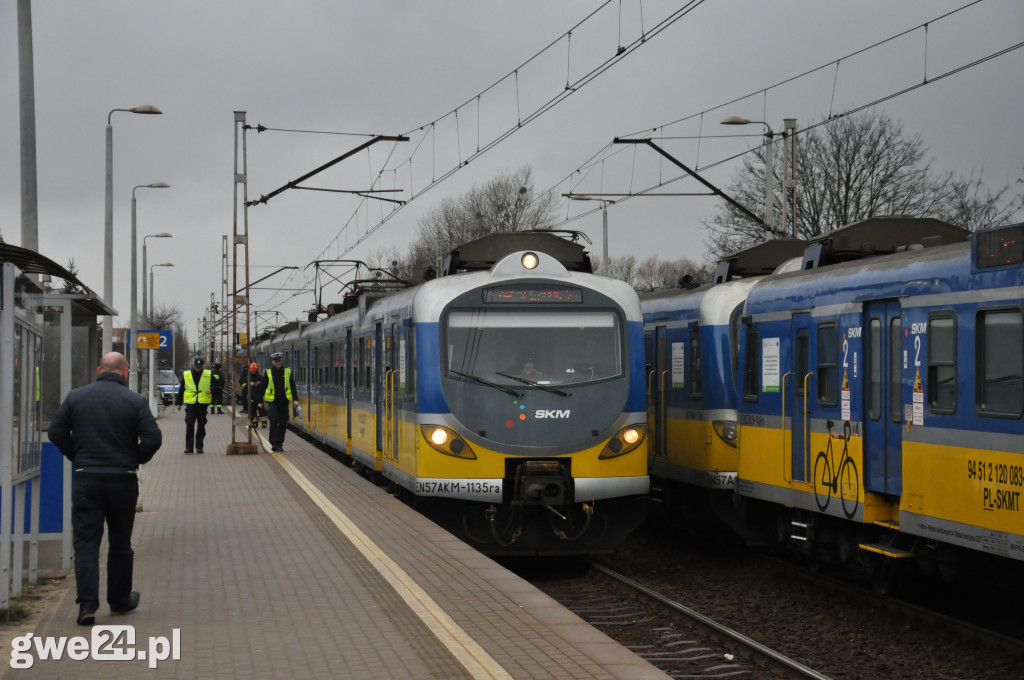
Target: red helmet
[[253, 367]]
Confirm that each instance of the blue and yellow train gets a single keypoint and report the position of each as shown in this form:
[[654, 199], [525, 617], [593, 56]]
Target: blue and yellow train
[[863, 403], [505, 398]]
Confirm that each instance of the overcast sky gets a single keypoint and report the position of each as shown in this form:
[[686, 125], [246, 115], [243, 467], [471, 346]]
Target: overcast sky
[[389, 67]]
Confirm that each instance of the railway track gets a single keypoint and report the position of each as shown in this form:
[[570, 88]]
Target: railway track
[[674, 638], [839, 629]]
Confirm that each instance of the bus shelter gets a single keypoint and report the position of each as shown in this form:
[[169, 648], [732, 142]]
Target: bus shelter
[[48, 345]]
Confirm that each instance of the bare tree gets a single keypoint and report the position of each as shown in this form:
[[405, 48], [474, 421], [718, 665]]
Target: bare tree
[[853, 168], [505, 203], [653, 273], [169, 317]]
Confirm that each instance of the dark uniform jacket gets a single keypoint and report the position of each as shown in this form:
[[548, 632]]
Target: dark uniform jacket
[[106, 425]]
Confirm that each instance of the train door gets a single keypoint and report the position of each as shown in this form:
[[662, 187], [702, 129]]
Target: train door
[[801, 394], [658, 394], [390, 394], [883, 412], [350, 374], [378, 383]]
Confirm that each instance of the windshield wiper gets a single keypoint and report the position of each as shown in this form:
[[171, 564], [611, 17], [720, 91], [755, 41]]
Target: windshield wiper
[[546, 388], [474, 378]]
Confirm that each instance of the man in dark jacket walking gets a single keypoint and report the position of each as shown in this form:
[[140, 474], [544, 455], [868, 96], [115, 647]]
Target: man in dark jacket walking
[[107, 431]]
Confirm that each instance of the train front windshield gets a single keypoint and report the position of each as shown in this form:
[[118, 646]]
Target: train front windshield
[[507, 347]]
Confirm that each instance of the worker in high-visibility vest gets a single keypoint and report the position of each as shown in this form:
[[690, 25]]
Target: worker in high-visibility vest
[[279, 394], [196, 394]]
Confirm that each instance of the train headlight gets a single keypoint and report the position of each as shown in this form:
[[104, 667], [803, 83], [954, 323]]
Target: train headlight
[[726, 431], [447, 441], [530, 260], [624, 441]]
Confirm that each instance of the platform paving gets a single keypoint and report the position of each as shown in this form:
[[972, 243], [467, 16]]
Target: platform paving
[[291, 565]]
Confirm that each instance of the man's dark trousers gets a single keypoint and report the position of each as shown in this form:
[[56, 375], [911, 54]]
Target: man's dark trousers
[[195, 425], [94, 499], [277, 414]]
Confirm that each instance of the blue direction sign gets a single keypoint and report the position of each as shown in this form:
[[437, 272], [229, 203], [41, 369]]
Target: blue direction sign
[[154, 339]]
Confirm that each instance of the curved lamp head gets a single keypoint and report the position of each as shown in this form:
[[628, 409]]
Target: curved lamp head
[[159, 185], [145, 108], [735, 120]]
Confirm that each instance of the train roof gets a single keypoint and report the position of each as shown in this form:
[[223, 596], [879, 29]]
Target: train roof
[[759, 259], [912, 272], [484, 252], [880, 235]]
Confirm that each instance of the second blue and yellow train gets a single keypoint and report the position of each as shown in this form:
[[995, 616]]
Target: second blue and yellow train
[[861, 402]]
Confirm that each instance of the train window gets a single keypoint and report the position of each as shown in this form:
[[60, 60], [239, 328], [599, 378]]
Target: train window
[[332, 368], [368, 366], [361, 359], [874, 368], [335, 366], [896, 370], [696, 382], [828, 364], [410, 363], [735, 324], [347, 372], [803, 361], [942, 362], [1000, 363], [515, 347], [751, 365]]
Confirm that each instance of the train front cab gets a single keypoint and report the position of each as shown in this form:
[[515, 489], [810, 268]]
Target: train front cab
[[692, 344], [693, 419], [554, 467]]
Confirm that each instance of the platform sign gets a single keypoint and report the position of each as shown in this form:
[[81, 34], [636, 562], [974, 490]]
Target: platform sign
[[154, 339]]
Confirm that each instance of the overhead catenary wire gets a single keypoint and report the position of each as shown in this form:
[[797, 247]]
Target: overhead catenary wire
[[522, 119], [579, 175], [603, 154]]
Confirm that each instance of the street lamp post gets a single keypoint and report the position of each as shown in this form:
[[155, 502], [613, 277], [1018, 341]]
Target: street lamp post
[[604, 224], [108, 226], [769, 167], [145, 309], [145, 299], [152, 361], [152, 290], [133, 351]]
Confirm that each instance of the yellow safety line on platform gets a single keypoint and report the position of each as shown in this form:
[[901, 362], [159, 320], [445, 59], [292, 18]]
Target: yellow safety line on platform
[[478, 662]]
